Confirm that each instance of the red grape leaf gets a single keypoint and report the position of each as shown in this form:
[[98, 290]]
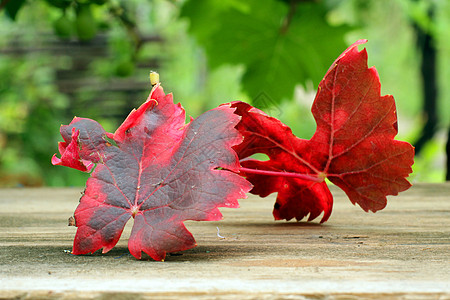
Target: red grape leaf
[[156, 169], [353, 145]]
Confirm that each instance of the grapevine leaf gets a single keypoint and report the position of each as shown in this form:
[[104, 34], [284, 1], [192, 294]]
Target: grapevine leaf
[[156, 169], [353, 146], [279, 46]]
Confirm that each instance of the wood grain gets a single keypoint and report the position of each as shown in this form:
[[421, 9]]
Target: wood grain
[[400, 252]]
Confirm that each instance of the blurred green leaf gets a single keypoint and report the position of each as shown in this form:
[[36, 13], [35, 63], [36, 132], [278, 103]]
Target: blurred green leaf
[[279, 46], [63, 27], [85, 23], [13, 7], [60, 3]]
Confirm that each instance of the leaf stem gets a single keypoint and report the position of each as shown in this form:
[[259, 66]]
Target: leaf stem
[[287, 20], [283, 174]]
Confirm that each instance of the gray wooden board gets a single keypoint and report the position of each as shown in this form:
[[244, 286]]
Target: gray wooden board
[[400, 252]]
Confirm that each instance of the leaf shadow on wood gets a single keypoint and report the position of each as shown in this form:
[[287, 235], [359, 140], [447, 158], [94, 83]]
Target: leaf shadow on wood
[[279, 224], [209, 252], [302, 224]]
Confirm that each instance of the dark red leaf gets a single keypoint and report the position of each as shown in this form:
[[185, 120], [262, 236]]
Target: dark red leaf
[[353, 145], [156, 169], [70, 153]]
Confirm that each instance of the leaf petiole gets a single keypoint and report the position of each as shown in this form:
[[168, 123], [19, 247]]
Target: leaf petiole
[[283, 174]]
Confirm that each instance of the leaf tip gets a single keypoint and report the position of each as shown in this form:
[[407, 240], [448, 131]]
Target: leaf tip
[[55, 160], [360, 42], [346, 51]]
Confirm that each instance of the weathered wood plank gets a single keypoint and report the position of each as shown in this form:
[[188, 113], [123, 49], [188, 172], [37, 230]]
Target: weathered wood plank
[[400, 252]]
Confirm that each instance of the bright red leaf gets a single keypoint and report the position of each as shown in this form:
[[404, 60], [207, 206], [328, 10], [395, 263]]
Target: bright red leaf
[[156, 169], [353, 146]]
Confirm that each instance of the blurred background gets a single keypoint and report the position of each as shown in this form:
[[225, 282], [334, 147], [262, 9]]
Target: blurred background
[[91, 58]]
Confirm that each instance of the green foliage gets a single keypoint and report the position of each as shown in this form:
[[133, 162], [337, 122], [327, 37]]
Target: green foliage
[[13, 7], [272, 53], [85, 23], [78, 17], [280, 46], [32, 107], [29, 120], [60, 3], [429, 167], [63, 27]]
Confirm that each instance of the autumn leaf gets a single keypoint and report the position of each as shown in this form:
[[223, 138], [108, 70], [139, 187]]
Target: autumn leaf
[[353, 146], [156, 169]]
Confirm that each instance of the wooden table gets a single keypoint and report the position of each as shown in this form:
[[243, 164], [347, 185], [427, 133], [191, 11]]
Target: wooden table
[[400, 252]]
